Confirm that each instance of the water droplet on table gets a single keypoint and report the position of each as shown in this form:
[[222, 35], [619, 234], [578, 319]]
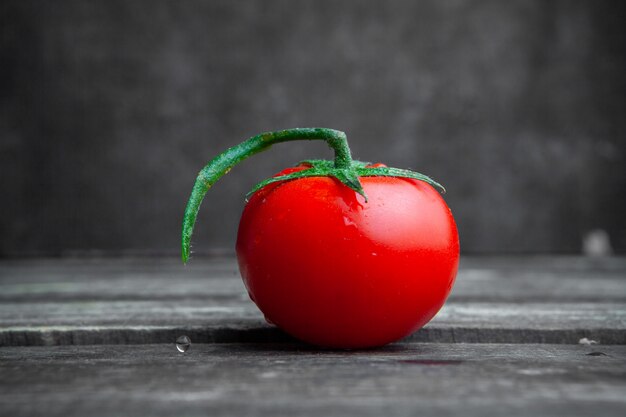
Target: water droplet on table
[[585, 341], [183, 344]]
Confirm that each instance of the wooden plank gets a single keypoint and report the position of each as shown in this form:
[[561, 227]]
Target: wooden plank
[[235, 321], [292, 380], [515, 300], [498, 279]]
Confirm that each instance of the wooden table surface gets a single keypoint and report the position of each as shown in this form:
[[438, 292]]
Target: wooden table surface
[[96, 337]]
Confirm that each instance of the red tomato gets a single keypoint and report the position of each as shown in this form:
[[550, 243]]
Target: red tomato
[[333, 270]]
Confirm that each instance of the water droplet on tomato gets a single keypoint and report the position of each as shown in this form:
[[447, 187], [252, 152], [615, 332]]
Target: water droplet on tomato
[[348, 221], [183, 343]]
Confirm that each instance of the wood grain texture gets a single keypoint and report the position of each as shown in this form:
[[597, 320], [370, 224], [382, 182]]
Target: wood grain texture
[[121, 301], [505, 343], [292, 380]]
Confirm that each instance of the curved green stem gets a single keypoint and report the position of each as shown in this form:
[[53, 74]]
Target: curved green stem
[[223, 163]]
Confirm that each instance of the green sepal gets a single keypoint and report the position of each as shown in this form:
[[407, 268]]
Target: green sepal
[[318, 169], [348, 177], [401, 173]]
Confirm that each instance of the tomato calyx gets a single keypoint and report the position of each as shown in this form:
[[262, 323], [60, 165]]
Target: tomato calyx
[[349, 176], [318, 168], [343, 168]]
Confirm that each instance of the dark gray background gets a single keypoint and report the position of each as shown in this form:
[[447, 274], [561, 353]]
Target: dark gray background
[[109, 109]]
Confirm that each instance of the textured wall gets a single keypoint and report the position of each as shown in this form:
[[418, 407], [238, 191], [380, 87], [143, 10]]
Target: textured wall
[[109, 109]]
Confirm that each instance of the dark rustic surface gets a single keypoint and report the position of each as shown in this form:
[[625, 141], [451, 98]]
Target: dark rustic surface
[[108, 109], [414, 379], [507, 342], [506, 300]]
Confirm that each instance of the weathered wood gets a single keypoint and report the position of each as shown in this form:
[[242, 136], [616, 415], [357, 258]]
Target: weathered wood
[[498, 279], [512, 300], [101, 310], [221, 321], [292, 380]]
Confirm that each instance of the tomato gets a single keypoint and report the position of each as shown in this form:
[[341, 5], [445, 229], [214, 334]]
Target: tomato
[[333, 270], [343, 255]]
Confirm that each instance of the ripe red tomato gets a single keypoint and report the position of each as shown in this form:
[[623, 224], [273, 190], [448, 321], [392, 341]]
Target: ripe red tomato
[[338, 253], [333, 270]]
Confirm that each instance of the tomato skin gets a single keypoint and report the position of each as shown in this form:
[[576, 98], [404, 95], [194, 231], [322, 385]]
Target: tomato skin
[[333, 270]]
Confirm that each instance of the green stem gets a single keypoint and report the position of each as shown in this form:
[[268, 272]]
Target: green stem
[[223, 163]]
